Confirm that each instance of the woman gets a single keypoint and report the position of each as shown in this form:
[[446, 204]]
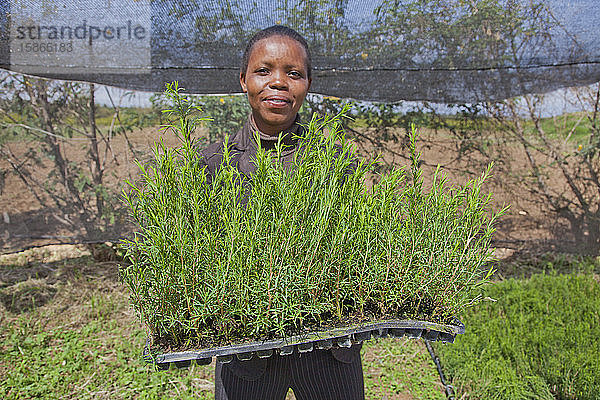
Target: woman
[[276, 75]]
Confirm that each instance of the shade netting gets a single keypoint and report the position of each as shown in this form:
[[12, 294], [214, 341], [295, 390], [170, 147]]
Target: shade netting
[[384, 50]]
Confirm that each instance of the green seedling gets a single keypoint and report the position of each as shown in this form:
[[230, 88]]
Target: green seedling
[[297, 249]]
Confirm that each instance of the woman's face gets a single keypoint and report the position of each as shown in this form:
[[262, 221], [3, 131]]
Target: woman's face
[[276, 81]]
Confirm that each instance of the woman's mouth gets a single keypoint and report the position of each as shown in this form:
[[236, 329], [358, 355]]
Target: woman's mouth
[[277, 102]]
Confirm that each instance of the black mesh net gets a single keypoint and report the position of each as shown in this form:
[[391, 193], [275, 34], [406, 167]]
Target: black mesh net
[[436, 50]]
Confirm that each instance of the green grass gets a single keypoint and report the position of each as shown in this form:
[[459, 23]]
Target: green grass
[[577, 125], [400, 368], [85, 343], [525, 265], [537, 340], [129, 118]]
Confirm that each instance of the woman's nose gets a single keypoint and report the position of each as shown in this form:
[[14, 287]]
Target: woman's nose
[[278, 80]]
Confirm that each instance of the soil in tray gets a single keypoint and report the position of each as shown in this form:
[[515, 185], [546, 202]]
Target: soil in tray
[[327, 323]]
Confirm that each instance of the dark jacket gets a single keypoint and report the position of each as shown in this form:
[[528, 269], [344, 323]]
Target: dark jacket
[[242, 147]]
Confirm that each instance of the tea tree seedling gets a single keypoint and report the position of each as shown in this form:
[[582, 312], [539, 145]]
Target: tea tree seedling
[[228, 259]]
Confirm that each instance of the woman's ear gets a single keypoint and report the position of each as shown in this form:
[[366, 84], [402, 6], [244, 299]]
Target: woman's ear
[[309, 82], [243, 82]]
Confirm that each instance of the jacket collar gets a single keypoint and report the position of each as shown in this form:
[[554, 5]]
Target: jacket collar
[[245, 137]]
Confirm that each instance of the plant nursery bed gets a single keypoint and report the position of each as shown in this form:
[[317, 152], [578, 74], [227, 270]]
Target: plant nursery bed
[[324, 340]]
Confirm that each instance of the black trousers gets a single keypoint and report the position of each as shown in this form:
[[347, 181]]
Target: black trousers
[[316, 375]]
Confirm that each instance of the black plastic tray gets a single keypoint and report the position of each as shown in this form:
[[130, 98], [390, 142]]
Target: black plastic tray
[[339, 337]]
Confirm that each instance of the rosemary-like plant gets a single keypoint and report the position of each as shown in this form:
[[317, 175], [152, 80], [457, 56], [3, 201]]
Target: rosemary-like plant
[[302, 248]]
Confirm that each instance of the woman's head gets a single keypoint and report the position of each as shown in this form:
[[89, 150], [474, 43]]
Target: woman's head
[[276, 30], [276, 75]]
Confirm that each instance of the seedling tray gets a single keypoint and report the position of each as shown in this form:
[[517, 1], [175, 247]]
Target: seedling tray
[[339, 337]]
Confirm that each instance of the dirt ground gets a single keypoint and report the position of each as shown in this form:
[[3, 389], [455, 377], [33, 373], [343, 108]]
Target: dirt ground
[[24, 222]]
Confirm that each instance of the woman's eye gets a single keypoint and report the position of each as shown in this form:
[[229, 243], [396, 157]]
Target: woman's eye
[[295, 74], [262, 71]]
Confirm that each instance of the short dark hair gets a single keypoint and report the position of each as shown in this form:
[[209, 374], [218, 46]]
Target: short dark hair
[[276, 30]]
